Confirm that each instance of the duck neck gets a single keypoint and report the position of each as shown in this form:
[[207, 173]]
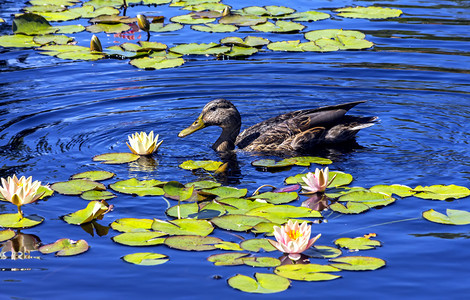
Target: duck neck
[[226, 140]]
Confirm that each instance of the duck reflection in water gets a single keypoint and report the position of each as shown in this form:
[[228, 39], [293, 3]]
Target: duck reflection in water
[[20, 246]]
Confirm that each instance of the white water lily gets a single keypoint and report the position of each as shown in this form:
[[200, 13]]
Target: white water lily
[[143, 144], [20, 191]]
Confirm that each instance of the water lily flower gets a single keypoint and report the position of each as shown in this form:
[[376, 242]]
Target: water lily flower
[[143, 144], [317, 182], [293, 238], [20, 191]]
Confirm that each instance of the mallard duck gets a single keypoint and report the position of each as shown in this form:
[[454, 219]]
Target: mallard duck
[[297, 131]]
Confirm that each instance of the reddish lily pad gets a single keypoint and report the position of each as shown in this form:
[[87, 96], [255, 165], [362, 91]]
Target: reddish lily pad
[[65, 247]]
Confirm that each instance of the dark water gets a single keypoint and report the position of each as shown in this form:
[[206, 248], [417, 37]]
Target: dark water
[[56, 115]]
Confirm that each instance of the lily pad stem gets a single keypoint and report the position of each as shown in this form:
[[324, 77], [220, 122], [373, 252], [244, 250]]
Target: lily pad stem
[[264, 185]]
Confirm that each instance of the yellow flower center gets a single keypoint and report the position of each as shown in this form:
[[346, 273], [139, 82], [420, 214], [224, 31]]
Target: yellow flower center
[[294, 234]]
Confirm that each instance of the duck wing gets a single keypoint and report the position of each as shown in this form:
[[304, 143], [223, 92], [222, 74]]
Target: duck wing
[[277, 133]]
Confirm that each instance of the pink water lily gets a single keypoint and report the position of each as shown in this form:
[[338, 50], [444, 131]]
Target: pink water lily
[[143, 144], [293, 238], [317, 182], [20, 191]]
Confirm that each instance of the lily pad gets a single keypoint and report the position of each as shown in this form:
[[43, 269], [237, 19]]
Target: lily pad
[[249, 41], [132, 225], [371, 199], [215, 28], [291, 46], [441, 192], [332, 34], [279, 27], [178, 190], [319, 251], [271, 163], [116, 158], [277, 198], [108, 28], [307, 272], [262, 262], [228, 246], [266, 227], [138, 187], [68, 29], [146, 258], [264, 283], [397, 189], [240, 206], [94, 210], [52, 39], [160, 27], [237, 222], [156, 63], [65, 247], [183, 227], [282, 213], [242, 20], [208, 165], [370, 12], [140, 238], [6, 234], [192, 242], [256, 245], [94, 175], [350, 208], [228, 259], [32, 24], [191, 19], [17, 222], [200, 49], [203, 184], [453, 217], [97, 195], [185, 210], [226, 192], [359, 243], [18, 41], [308, 16], [77, 186], [357, 263]]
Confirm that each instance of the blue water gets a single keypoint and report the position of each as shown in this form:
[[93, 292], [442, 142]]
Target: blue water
[[56, 115]]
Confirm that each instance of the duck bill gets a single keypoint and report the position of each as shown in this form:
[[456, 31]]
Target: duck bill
[[198, 124]]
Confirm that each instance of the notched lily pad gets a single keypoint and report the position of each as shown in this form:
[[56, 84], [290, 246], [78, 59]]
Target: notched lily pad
[[256, 245], [237, 222], [199, 49], [116, 158], [277, 198], [94, 175], [65, 247], [132, 225], [183, 227], [228, 259], [242, 20], [357, 263], [139, 187], [208, 165], [223, 192], [18, 41], [319, 251], [371, 199], [192, 242], [370, 12], [32, 24], [282, 213], [156, 63], [264, 283], [307, 16], [350, 208], [140, 238], [358, 243], [17, 222], [453, 217], [441, 192], [397, 189], [146, 258], [307, 272], [77, 186], [279, 27], [97, 195], [94, 210], [191, 18], [215, 27]]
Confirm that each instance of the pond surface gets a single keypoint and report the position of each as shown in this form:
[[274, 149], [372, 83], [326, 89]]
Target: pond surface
[[55, 115]]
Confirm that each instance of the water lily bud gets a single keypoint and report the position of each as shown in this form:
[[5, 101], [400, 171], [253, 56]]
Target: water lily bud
[[226, 11], [143, 23], [95, 44]]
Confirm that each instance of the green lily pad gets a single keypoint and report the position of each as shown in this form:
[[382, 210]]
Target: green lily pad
[[32, 24], [240, 206], [291, 46], [249, 41], [155, 2], [132, 225], [54, 2], [94, 175], [52, 39], [68, 29], [226, 192], [146, 258], [6, 234], [279, 27], [108, 28], [139, 238], [188, 19], [343, 190], [242, 20], [116, 158], [237, 51], [65, 15], [323, 252], [97, 195], [453, 217], [185, 210], [192, 210], [256, 245], [208, 165], [308, 160], [138, 187], [45, 191], [55, 50], [237, 222], [277, 11], [215, 27], [200, 49], [370, 12], [81, 55], [350, 208], [156, 63], [370, 199], [271, 163], [88, 11], [262, 262], [332, 34], [183, 227], [192, 242], [77, 186], [307, 272], [160, 27], [357, 263], [94, 210], [203, 184], [205, 6], [228, 259], [308, 16], [277, 198], [228, 246], [359, 243], [15, 221], [18, 41], [113, 3], [441, 192], [65, 247], [178, 190], [282, 213], [264, 283], [397, 189], [266, 227], [35, 9]]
